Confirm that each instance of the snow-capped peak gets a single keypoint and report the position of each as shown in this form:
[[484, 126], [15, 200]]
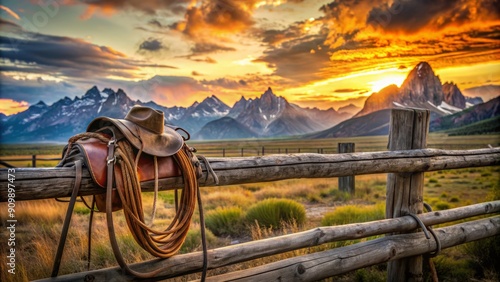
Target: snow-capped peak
[[447, 106]]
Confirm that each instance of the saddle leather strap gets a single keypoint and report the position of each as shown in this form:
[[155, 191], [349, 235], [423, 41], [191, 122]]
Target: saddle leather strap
[[67, 220], [89, 241], [124, 172]]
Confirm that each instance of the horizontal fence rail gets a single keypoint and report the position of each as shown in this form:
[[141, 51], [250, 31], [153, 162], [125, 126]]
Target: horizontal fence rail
[[379, 250], [316, 266], [44, 183]]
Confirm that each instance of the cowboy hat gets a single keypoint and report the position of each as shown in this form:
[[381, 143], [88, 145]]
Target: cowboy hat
[[144, 128]]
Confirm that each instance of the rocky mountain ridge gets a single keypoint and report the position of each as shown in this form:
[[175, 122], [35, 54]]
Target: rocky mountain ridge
[[422, 88], [377, 123], [268, 115]]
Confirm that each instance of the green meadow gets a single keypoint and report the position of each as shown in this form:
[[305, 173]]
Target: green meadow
[[240, 213]]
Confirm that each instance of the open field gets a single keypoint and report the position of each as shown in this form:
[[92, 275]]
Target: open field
[[40, 222], [254, 147]]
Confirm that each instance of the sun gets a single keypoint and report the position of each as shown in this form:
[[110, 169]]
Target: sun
[[385, 81]]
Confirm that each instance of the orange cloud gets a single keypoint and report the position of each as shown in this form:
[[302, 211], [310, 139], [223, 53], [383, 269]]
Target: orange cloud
[[10, 12], [10, 107], [217, 18], [376, 34]]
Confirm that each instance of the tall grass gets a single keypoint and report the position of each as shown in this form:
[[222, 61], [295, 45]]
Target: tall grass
[[271, 213], [354, 214]]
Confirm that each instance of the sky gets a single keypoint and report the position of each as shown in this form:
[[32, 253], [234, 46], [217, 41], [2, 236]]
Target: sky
[[314, 53]]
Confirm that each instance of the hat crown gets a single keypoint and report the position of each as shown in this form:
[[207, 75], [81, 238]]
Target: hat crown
[[146, 117]]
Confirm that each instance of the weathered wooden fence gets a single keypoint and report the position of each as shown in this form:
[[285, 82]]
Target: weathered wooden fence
[[403, 245]]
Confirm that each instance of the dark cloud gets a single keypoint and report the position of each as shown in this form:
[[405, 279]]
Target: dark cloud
[[412, 16], [300, 60], [65, 56], [225, 83], [35, 90], [155, 23], [274, 36], [5, 24], [206, 48], [151, 45]]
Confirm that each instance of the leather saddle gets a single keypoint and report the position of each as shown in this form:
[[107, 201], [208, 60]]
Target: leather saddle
[[94, 154], [116, 172]]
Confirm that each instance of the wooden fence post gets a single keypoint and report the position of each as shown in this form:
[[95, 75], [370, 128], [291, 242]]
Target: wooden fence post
[[33, 160], [346, 183], [408, 130]]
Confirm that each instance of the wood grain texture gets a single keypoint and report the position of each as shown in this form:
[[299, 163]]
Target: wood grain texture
[[346, 183], [409, 129], [44, 183]]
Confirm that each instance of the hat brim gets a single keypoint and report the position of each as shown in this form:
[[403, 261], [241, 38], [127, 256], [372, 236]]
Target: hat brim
[[163, 145]]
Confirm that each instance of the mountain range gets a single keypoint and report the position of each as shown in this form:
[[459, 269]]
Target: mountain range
[[269, 116], [449, 108], [266, 116]]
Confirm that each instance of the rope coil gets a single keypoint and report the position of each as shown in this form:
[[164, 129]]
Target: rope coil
[[122, 170]]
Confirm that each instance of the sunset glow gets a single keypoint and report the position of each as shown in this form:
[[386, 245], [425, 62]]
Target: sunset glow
[[378, 85], [10, 107], [314, 53]]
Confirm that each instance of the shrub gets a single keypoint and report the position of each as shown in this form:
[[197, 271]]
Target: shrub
[[353, 214], [485, 254], [370, 274], [433, 180], [336, 195], [442, 206], [454, 200], [450, 269], [225, 221], [273, 212], [193, 240]]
